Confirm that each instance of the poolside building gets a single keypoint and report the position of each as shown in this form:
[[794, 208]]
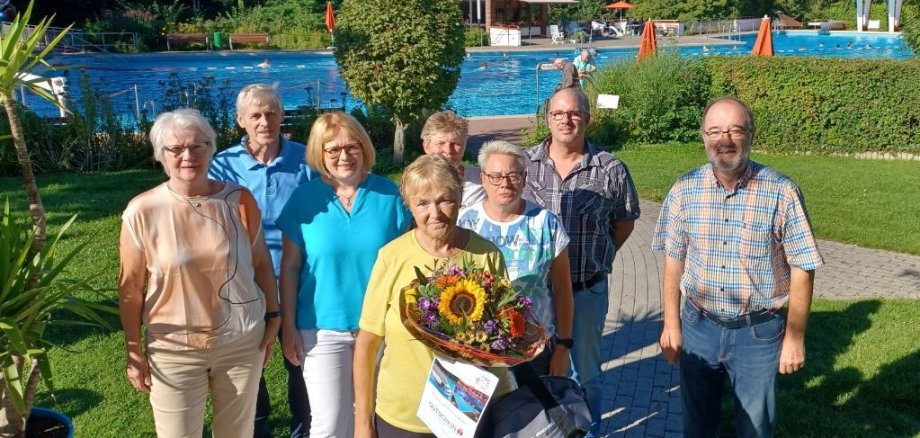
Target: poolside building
[[531, 16]]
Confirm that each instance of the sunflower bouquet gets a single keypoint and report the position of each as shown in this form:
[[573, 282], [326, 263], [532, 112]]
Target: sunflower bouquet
[[466, 313]]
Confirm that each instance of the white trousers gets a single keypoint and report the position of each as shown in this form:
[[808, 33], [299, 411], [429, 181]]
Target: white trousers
[[328, 376]]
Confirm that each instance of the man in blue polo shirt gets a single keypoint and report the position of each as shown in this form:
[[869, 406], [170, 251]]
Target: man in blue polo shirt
[[271, 167]]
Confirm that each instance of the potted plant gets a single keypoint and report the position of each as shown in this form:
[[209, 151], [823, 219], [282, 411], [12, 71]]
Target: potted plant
[[33, 287], [34, 294]]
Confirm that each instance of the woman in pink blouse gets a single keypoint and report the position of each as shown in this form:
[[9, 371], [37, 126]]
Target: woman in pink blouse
[[210, 306]]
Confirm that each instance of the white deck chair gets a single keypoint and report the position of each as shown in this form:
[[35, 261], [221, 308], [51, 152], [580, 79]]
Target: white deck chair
[[558, 37], [616, 31]]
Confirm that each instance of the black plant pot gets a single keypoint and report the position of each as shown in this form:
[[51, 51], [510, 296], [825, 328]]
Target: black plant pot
[[48, 423]]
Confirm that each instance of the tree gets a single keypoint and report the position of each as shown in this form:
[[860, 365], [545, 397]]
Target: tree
[[910, 25], [403, 55], [20, 51]]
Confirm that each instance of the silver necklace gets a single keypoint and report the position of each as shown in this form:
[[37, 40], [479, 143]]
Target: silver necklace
[[346, 200]]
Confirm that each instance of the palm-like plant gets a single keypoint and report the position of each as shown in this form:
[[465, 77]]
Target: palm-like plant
[[20, 52], [32, 288]]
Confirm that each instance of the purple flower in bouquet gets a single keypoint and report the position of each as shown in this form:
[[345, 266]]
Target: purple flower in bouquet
[[524, 300], [500, 344], [424, 304], [456, 270], [490, 326]]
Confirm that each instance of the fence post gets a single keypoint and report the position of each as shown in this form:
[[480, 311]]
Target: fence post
[[319, 100], [137, 103]]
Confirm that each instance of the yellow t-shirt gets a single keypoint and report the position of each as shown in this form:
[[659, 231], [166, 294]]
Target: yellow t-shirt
[[406, 361]]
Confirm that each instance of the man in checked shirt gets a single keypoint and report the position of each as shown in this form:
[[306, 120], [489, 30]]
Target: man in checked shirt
[[593, 193], [738, 246]]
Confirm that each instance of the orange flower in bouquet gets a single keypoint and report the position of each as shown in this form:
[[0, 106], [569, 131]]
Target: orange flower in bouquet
[[467, 313]]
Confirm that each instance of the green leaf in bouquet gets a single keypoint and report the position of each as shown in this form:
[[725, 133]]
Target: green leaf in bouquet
[[422, 279]]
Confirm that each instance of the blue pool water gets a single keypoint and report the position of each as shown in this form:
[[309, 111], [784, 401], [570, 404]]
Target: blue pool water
[[508, 84]]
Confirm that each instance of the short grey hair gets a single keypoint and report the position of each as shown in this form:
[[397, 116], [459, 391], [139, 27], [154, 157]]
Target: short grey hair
[[445, 122], [747, 111], [258, 94], [180, 119], [501, 147]]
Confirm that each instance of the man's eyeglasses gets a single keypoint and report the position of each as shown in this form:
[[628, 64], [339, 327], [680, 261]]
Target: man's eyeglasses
[[195, 149], [734, 133], [559, 115], [335, 152], [497, 178]]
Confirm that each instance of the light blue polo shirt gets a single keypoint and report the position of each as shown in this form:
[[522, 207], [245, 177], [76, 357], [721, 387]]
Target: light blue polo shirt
[[339, 248], [271, 184]]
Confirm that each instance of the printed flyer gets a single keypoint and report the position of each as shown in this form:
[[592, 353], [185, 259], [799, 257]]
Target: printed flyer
[[454, 397]]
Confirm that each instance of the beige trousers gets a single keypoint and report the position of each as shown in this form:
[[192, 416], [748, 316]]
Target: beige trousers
[[181, 381]]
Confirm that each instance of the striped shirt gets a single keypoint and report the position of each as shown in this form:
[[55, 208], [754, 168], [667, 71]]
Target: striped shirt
[[597, 193], [738, 244]]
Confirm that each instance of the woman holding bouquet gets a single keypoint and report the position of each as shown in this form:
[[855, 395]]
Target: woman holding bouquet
[[432, 188], [333, 227]]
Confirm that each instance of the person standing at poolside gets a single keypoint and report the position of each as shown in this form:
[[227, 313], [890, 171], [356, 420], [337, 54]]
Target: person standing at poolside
[[569, 74], [594, 195], [533, 244], [444, 134], [271, 167], [585, 66], [738, 246]]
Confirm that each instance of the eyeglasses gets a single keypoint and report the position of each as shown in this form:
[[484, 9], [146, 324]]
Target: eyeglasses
[[560, 115], [335, 152], [734, 133], [497, 178], [195, 149]]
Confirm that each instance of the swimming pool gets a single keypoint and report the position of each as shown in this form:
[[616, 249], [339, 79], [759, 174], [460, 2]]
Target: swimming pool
[[507, 85]]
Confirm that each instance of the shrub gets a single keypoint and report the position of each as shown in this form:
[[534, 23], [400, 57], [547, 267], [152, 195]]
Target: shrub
[[475, 37], [660, 100], [821, 105]]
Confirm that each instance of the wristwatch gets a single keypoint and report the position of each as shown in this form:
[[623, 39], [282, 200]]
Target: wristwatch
[[565, 342], [270, 315]]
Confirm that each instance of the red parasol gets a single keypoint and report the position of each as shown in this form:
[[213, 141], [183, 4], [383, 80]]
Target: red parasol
[[330, 17], [619, 5], [763, 46], [647, 47]]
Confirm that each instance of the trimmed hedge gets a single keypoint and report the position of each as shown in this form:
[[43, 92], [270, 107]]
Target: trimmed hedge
[[806, 105]]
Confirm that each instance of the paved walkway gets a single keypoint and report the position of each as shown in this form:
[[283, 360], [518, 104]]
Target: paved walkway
[[641, 397]]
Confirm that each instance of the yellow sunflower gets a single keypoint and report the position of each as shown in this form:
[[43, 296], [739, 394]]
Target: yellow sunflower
[[465, 298]]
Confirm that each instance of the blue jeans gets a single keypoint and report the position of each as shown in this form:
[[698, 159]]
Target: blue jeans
[[587, 331], [748, 356]]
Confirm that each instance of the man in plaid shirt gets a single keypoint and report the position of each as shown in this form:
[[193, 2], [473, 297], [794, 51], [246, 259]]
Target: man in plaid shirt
[[738, 246], [593, 194]]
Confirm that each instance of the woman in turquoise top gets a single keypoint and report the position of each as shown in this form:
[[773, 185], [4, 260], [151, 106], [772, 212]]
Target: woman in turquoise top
[[332, 228]]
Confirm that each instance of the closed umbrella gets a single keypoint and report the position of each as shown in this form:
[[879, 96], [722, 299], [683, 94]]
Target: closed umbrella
[[763, 46], [330, 17], [647, 47]]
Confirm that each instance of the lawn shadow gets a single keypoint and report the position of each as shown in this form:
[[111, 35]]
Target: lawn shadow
[[71, 401], [93, 196], [826, 400]]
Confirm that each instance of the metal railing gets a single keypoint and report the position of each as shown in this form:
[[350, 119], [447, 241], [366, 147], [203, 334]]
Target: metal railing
[[77, 40]]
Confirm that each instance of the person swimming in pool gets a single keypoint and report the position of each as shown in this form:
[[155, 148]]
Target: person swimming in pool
[[265, 63]]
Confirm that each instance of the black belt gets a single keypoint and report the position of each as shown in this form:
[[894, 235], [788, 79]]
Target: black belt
[[746, 320], [589, 283]]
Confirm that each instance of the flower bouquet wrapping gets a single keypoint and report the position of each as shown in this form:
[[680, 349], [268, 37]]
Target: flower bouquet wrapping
[[469, 314]]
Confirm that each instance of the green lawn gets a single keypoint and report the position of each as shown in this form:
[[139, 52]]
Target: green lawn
[[861, 377], [870, 203]]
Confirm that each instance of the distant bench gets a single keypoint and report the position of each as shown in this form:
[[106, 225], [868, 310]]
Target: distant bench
[[247, 38], [187, 38]]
